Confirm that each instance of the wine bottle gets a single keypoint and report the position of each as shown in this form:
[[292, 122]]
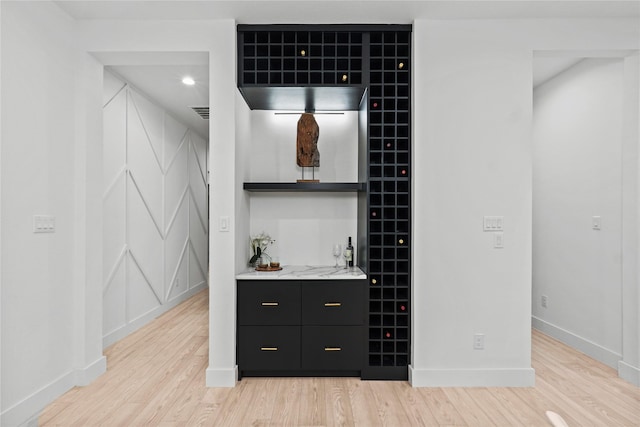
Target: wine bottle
[[349, 251]]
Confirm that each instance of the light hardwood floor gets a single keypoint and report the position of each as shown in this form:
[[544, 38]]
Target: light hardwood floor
[[156, 377]]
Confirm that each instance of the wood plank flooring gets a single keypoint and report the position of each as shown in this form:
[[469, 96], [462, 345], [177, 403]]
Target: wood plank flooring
[[155, 377]]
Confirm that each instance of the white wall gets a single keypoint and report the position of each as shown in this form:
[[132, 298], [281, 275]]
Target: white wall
[[577, 174], [629, 366], [472, 157], [472, 113], [155, 210], [304, 225], [44, 352]]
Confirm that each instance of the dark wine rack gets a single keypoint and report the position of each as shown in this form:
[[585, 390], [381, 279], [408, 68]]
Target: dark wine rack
[[327, 62], [300, 57], [389, 205]]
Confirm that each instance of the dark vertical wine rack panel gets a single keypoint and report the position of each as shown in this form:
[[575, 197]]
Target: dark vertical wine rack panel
[[299, 57], [389, 205]]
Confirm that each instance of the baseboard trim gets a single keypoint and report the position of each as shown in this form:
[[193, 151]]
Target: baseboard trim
[[591, 349], [222, 377], [135, 324], [86, 375], [522, 377], [629, 373], [27, 411]]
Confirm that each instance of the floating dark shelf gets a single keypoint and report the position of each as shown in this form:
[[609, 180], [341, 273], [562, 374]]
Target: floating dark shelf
[[305, 186], [310, 98]]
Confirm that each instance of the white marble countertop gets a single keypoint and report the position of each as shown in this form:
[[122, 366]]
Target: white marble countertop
[[304, 272]]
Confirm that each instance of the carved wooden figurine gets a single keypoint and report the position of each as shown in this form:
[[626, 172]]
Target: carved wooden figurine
[[307, 141]]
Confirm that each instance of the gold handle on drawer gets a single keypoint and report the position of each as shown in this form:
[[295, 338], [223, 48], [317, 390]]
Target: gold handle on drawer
[[332, 304], [332, 349], [268, 348], [401, 241], [269, 304]]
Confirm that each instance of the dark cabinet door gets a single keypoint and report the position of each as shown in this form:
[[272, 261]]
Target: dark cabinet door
[[331, 347], [268, 302], [332, 303], [269, 347]]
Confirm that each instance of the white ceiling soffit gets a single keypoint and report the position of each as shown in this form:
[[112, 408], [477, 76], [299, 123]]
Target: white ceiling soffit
[[152, 58], [347, 11]]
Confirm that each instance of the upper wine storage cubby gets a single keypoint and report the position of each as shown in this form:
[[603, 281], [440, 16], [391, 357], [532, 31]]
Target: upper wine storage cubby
[[294, 67]]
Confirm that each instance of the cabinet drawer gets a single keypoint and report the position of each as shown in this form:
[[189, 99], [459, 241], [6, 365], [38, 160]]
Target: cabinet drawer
[[263, 302], [332, 303], [269, 347], [332, 347]]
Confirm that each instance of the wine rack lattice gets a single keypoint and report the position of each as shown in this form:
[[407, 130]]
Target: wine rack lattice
[[300, 57], [389, 204]]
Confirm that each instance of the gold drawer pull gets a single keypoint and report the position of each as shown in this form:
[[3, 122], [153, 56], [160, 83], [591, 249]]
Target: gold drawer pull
[[269, 348], [332, 349], [332, 304], [269, 304]]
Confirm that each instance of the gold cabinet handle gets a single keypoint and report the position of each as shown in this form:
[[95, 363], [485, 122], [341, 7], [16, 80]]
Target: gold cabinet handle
[[268, 348], [332, 349], [344, 77], [401, 241], [303, 53], [401, 65], [269, 304], [374, 281], [332, 304]]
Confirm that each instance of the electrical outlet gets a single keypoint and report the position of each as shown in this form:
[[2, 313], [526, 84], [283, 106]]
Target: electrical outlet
[[498, 240], [544, 300], [478, 342]]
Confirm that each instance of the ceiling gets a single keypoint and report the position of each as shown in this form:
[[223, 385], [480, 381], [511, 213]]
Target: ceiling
[[346, 11], [545, 68], [159, 76]]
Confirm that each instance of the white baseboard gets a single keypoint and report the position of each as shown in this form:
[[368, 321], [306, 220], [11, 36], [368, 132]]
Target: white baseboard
[[141, 321], [523, 377], [629, 373], [222, 377], [26, 412], [85, 376], [591, 349]]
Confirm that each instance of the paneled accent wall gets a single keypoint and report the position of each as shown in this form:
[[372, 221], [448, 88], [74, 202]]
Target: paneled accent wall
[[155, 211]]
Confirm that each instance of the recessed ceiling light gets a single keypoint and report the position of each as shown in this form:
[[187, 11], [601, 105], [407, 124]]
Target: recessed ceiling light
[[188, 81]]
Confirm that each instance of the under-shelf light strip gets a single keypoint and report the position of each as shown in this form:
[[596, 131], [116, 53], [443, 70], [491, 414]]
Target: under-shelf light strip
[[315, 112]]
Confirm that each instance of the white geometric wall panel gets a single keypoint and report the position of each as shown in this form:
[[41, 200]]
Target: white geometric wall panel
[[155, 211]]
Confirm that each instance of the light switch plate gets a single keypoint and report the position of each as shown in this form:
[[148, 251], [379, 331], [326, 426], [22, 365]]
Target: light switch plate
[[493, 223], [223, 224], [596, 223], [44, 224]]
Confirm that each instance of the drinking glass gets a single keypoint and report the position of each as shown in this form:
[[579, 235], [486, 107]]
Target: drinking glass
[[337, 251]]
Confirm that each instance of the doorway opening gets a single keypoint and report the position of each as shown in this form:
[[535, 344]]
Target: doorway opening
[[582, 189], [155, 189]]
